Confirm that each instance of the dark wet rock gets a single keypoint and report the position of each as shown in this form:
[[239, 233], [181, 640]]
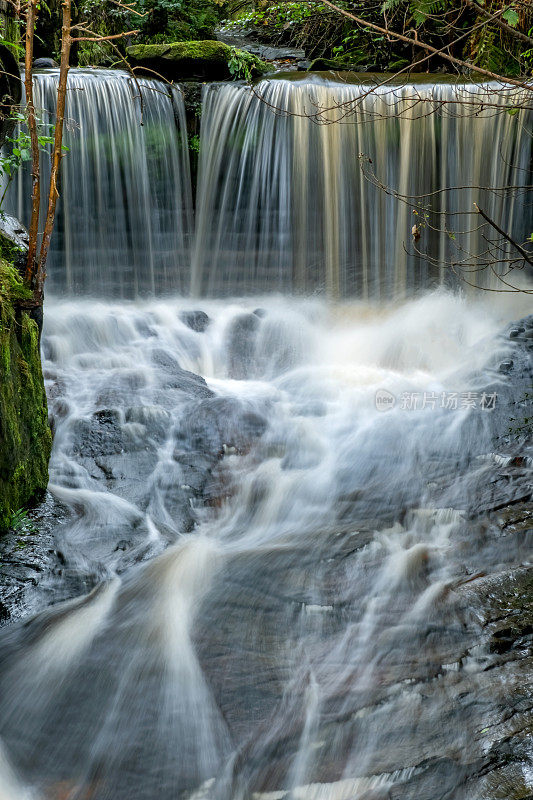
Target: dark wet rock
[[188, 382], [45, 63], [506, 366], [221, 421], [170, 499], [26, 555], [514, 332], [14, 241], [303, 66], [156, 421], [99, 435], [195, 320], [196, 468], [260, 312], [240, 342]]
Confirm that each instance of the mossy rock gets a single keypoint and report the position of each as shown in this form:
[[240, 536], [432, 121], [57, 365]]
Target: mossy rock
[[329, 64], [196, 60], [25, 437]]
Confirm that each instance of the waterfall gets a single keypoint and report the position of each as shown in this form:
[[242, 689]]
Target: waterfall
[[288, 199], [124, 217], [296, 185]]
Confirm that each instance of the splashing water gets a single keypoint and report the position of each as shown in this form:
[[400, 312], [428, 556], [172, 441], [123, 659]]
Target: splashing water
[[272, 560]]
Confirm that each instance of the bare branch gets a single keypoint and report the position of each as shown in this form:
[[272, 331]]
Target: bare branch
[[103, 38], [429, 48], [524, 253], [31, 16], [57, 153], [500, 22]]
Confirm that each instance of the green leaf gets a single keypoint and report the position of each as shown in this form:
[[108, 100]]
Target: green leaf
[[511, 17], [512, 111]]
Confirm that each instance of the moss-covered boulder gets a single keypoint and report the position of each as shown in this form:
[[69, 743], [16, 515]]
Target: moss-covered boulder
[[196, 60], [25, 438]]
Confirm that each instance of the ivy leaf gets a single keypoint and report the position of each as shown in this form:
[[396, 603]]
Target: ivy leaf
[[511, 17]]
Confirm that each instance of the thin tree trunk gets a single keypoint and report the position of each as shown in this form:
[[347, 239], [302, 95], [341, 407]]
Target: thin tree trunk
[[31, 15], [57, 153]]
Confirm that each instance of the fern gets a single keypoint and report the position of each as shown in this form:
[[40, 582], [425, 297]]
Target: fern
[[422, 9], [390, 6], [487, 52]]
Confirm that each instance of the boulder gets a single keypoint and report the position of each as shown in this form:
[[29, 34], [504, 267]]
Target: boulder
[[45, 63], [195, 320], [14, 241], [193, 60]]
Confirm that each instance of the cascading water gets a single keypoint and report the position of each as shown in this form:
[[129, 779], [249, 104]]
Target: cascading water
[[124, 222], [290, 203], [270, 508], [284, 202], [309, 639]]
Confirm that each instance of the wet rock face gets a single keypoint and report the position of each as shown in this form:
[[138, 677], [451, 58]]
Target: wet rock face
[[14, 241], [221, 422], [240, 345], [195, 320], [174, 377]]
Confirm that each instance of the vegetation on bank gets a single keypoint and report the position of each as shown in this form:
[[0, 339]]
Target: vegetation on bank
[[25, 437], [480, 33]]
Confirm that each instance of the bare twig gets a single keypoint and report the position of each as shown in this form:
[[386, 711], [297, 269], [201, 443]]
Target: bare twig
[[524, 253], [31, 15]]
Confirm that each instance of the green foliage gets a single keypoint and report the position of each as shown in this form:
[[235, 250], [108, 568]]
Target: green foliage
[[316, 28], [162, 21], [488, 49], [20, 522], [18, 149], [511, 17], [194, 143], [177, 20], [421, 10], [241, 64]]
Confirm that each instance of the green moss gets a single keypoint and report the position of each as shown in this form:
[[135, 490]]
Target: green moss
[[25, 438], [205, 58]]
